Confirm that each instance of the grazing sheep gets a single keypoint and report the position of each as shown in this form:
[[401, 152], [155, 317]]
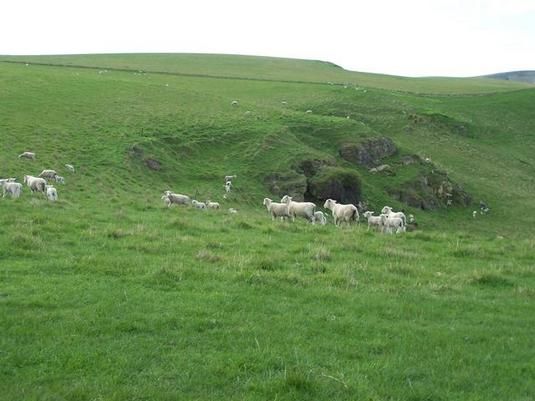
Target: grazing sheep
[[388, 211], [308, 111], [411, 219], [60, 179], [212, 205], [198, 205], [320, 218], [51, 193], [170, 198], [231, 210], [391, 222], [284, 102], [375, 221], [342, 213], [301, 209], [48, 174], [35, 183], [70, 167], [12, 188], [228, 186], [230, 178], [276, 209], [27, 155], [474, 214], [235, 103]]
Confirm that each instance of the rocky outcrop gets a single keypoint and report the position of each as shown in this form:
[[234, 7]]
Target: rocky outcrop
[[368, 153], [287, 183], [431, 191]]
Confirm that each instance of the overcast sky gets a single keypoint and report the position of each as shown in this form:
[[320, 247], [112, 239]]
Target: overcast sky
[[406, 37]]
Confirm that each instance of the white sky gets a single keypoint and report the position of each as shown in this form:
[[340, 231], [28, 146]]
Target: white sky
[[405, 37]]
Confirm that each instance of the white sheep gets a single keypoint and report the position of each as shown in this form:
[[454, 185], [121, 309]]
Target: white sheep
[[60, 179], [342, 213], [284, 103], [35, 183], [70, 167], [51, 193], [48, 174], [231, 210], [276, 209], [27, 155], [230, 178], [308, 111], [391, 222], [235, 103], [301, 209], [170, 198], [320, 218], [474, 214], [388, 211], [212, 205], [228, 186], [198, 205], [4, 180], [12, 188], [375, 221]]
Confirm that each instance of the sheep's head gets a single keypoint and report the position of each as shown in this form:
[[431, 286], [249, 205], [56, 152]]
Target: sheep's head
[[386, 210], [267, 201]]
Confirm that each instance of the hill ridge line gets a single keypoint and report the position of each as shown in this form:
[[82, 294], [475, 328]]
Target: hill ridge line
[[185, 74]]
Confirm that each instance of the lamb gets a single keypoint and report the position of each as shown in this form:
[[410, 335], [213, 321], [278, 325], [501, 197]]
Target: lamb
[[228, 186], [342, 213], [235, 103], [27, 155], [231, 210], [474, 214], [392, 222], [12, 188], [373, 220], [70, 167], [388, 211], [60, 179], [301, 209], [230, 178], [51, 193], [276, 209], [320, 218], [212, 205], [35, 183], [198, 205], [49, 174], [308, 111], [170, 198]]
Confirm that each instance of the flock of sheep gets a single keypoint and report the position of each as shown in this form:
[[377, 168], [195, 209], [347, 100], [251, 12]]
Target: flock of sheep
[[171, 198], [11, 187], [388, 222]]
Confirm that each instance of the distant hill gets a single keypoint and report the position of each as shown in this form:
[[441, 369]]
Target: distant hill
[[518, 76]]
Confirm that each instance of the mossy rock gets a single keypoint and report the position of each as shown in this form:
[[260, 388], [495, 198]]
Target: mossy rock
[[338, 183], [287, 183], [368, 153]]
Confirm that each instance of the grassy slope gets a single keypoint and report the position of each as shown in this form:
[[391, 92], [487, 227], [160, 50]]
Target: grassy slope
[[273, 69], [107, 295]]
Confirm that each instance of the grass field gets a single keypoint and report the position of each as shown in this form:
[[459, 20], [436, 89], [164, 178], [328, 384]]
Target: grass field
[[107, 295]]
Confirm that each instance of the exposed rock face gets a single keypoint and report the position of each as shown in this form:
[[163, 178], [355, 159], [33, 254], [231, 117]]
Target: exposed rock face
[[337, 183], [368, 153], [432, 191], [311, 167], [287, 183]]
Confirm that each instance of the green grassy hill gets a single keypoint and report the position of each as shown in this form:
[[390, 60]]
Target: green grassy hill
[[106, 294]]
